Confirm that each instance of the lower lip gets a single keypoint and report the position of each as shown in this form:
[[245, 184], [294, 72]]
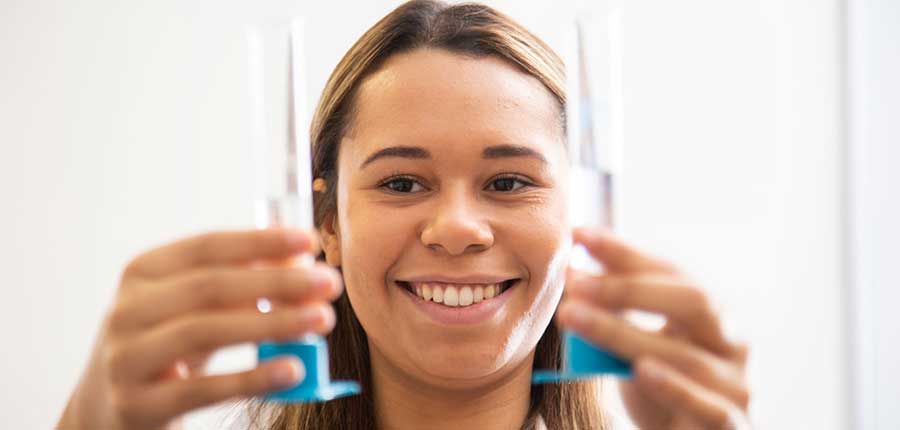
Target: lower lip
[[462, 315]]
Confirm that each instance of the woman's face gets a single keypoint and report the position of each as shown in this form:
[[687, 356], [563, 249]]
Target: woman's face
[[452, 178]]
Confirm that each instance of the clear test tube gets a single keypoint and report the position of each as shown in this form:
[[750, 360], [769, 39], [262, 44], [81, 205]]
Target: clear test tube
[[282, 174], [282, 184], [594, 120], [593, 137]]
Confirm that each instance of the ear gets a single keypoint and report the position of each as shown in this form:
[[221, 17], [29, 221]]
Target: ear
[[331, 239]]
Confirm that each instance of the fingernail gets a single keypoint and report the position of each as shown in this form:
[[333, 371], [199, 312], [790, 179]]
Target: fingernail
[[589, 234], [575, 313], [288, 372], [579, 282], [578, 232], [296, 239], [582, 233], [574, 275], [309, 315], [321, 280], [651, 370]]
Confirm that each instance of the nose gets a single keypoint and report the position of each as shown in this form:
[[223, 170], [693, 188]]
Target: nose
[[457, 227]]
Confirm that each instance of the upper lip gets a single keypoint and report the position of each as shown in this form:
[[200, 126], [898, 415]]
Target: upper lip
[[467, 279]]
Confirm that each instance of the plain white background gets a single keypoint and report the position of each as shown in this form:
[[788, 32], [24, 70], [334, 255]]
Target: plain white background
[[873, 101], [123, 126]]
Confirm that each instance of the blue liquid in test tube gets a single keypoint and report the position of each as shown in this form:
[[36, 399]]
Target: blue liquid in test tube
[[591, 187], [283, 184]]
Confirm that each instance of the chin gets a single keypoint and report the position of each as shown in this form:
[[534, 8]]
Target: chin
[[489, 357], [462, 363]]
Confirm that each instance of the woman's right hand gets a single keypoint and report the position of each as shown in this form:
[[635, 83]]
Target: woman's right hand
[[177, 304]]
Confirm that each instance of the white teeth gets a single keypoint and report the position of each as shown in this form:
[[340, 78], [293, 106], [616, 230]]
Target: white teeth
[[465, 296], [478, 294], [451, 296]]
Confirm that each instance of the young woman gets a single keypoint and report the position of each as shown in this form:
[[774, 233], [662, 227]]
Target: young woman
[[440, 165]]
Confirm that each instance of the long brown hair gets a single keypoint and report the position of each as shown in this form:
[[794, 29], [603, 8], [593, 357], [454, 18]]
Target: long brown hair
[[467, 29]]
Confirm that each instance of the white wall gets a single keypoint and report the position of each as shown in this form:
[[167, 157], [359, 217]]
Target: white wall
[[873, 136], [122, 126]]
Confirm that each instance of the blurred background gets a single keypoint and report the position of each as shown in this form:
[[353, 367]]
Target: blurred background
[[760, 138]]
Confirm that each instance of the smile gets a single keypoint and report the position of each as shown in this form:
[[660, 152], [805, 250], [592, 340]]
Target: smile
[[456, 295]]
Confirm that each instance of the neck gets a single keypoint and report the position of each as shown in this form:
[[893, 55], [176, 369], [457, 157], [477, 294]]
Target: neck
[[402, 402]]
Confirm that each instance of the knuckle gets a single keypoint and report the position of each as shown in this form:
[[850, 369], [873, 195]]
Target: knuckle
[[743, 399], [610, 290], [205, 245], [269, 241], [218, 388], [279, 283], [700, 305], [184, 394], [696, 296], [114, 358], [246, 383], [624, 295], [131, 270], [196, 333], [720, 418], [118, 316], [122, 401], [696, 368], [288, 325], [677, 393], [206, 287], [613, 331], [741, 352], [284, 279]]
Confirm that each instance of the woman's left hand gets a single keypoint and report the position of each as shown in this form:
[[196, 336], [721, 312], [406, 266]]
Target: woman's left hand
[[688, 374]]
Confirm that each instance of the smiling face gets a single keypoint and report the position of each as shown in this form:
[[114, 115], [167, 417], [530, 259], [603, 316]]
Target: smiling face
[[452, 178]]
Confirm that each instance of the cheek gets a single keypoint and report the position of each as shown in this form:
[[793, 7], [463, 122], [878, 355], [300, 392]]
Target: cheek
[[543, 241], [372, 237], [540, 235], [371, 242]]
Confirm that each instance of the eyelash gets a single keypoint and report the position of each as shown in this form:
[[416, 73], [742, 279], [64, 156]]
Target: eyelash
[[398, 177]]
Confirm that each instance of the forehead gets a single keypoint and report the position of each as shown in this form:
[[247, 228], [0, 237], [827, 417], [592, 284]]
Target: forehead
[[433, 96]]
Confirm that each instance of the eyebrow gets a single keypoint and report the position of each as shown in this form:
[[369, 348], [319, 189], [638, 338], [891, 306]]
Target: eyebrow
[[489, 153]]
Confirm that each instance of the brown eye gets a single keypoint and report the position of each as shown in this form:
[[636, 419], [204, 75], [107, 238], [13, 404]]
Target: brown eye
[[508, 183], [402, 185]]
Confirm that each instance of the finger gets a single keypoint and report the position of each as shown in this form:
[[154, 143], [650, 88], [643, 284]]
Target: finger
[[742, 353], [144, 357], [616, 255], [221, 248], [630, 343], [674, 298], [678, 393], [160, 403], [225, 287]]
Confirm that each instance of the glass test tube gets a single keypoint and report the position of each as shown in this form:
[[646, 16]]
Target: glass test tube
[[592, 135], [282, 185], [592, 120]]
